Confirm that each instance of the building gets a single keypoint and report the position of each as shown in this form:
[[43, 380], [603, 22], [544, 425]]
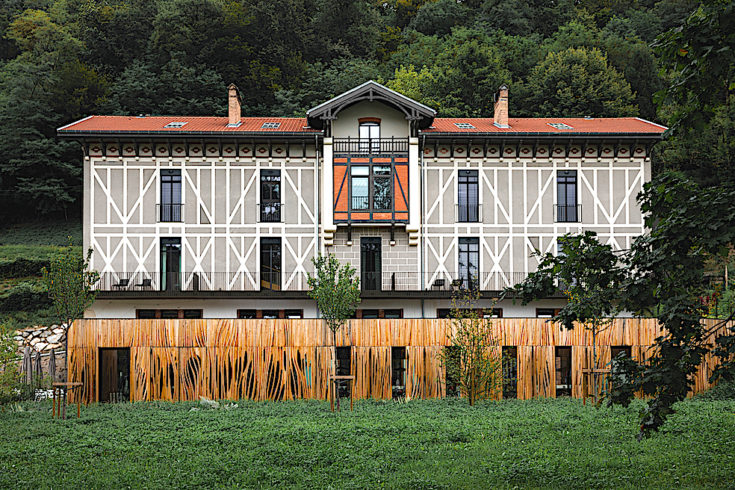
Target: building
[[219, 217]]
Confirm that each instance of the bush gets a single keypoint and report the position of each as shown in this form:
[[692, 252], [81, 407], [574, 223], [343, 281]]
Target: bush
[[724, 390], [21, 267], [10, 379], [25, 296]]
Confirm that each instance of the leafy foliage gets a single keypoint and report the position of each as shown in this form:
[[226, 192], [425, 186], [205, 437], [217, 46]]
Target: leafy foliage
[[10, 378], [61, 60], [471, 358], [69, 282], [335, 289]]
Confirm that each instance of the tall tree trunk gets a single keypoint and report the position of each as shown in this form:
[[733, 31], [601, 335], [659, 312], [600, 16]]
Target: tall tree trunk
[[334, 373]]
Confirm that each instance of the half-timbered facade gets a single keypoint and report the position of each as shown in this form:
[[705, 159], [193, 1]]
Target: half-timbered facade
[[219, 217]]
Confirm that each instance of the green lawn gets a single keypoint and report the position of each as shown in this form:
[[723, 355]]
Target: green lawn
[[424, 444]]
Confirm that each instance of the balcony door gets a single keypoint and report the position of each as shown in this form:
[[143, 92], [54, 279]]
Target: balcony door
[[270, 196], [370, 137], [469, 262], [370, 266], [170, 264], [170, 196], [270, 264]]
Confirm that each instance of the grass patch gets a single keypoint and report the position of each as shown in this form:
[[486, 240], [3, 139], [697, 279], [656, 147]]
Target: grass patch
[[427, 444], [42, 233]]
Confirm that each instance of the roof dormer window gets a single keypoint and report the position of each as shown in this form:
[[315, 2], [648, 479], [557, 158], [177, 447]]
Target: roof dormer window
[[464, 126], [270, 125], [560, 126], [175, 124]]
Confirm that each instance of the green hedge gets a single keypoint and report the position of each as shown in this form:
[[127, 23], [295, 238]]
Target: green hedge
[[21, 267], [25, 296]]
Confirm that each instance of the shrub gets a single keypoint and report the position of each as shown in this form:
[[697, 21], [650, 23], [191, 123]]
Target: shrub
[[25, 296], [21, 267]]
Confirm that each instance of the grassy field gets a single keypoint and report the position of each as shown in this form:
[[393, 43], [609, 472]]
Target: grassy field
[[418, 444], [35, 242]]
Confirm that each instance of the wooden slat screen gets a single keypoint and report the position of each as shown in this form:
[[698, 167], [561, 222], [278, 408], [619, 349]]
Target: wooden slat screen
[[291, 359]]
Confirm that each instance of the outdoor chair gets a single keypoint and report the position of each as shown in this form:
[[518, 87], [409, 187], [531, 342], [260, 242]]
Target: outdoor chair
[[121, 284], [144, 283]]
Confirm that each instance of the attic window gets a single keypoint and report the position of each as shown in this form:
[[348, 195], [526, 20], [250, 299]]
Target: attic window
[[560, 126], [464, 126], [175, 124], [270, 125]]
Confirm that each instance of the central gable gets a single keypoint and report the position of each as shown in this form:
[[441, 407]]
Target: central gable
[[371, 91]]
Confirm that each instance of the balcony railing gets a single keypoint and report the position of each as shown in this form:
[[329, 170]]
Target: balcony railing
[[270, 212], [567, 213], [360, 203], [372, 146], [289, 281], [170, 213]]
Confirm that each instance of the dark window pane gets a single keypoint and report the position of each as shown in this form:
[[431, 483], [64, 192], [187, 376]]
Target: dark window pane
[[247, 314], [294, 313], [397, 313], [370, 314], [145, 314], [270, 314], [169, 314], [468, 196], [193, 314]]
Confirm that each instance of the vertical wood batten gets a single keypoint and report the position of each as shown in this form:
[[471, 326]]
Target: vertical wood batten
[[289, 359]]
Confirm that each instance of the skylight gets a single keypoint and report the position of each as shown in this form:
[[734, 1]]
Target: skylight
[[175, 124], [464, 125], [560, 126], [270, 125]]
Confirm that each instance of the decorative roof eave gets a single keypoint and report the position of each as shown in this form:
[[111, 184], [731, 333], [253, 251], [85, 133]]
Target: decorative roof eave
[[66, 133], [370, 91], [542, 136]]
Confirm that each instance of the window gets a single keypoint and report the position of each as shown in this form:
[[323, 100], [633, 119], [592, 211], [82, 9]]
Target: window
[[170, 207], [293, 314], [397, 313], [175, 124], [625, 350], [481, 313], [168, 314], [468, 196], [370, 314], [566, 194], [370, 137], [344, 368], [145, 314], [469, 262], [270, 196], [398, 371], [464, 125], [509, 356], [247, 314], [546, 312], [170, 264], [271, 125], [251, 314], [492, 313], [270, 264], [370, 264], [371, 188], [560, 126], [563, 360], [360, 188]]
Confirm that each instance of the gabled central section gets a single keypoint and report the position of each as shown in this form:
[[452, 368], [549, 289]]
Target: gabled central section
[[371, 157], [418, 115]]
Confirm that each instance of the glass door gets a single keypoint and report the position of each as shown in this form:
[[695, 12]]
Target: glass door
[[170, 264], [370, 266], [270, 264]]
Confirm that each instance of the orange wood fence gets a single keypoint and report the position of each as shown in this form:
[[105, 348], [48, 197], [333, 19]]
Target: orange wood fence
[[288, 359]]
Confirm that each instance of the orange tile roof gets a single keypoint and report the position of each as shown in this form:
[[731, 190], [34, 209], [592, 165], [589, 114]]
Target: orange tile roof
[[298, 125], [133, 124], [622, 125]]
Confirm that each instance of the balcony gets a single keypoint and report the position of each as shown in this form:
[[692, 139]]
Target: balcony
[[270, 212], [567, 213], [170, 213], [378, 284], [370, 147]]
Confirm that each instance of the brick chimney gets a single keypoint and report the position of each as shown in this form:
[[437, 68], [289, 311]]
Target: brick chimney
[[234, 110], [500, 114]]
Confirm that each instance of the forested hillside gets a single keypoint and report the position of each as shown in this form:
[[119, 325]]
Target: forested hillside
[[65, 59]]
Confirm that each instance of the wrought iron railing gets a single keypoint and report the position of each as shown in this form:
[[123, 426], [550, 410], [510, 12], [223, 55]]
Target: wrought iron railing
[[288, 281], [170, 213], [270, 212], [371, 146], [568, 213], [360, 203]]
